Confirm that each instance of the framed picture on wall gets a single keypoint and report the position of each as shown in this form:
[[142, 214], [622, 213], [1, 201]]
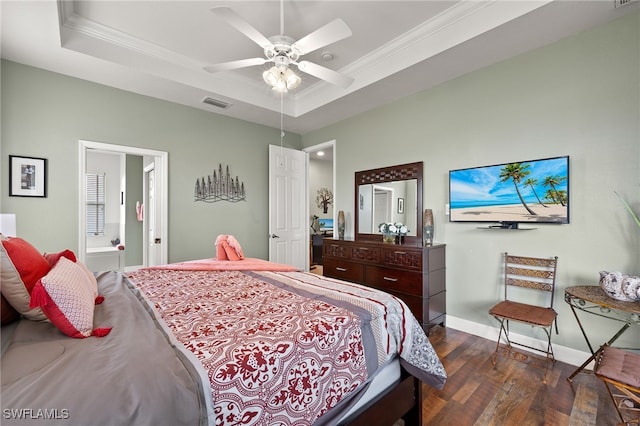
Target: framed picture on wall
[[400, 205], [27, 176]]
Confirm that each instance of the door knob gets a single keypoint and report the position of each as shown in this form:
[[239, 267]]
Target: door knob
[[273, 236]]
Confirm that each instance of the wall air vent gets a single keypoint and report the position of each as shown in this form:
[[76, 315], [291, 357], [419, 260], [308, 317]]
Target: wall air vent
[[620, 3], [216, 102]]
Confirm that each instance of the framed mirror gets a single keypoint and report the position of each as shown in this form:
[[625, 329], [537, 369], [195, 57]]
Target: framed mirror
[[389, 194]]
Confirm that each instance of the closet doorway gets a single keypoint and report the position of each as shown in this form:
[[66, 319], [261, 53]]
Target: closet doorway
[[151, 210]]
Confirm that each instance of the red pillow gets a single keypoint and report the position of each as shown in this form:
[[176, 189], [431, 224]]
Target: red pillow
[[53, 258], [67, 298], [21, 266], [230, 251]]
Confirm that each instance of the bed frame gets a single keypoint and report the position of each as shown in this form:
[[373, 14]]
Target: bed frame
[[401, 401]]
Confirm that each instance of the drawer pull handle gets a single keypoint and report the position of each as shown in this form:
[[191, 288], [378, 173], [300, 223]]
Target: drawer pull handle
[[341, 269], [400, 252], [390, 279]]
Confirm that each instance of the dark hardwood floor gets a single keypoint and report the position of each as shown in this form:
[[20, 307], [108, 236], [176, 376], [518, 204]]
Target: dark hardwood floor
[[512, 393]]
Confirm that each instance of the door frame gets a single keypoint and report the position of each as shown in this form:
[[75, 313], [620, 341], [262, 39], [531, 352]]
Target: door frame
[[161, 160], [310, 150], [147, 217]]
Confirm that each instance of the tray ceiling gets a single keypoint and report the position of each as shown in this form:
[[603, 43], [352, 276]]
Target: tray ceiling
[[398, 48]]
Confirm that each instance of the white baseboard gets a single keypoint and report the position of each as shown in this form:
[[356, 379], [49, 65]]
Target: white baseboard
[[562, 353], [132, 268]]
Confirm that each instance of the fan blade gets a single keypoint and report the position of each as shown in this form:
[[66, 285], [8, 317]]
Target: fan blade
[[334, 31], [227, 66], [323, 73], [241, 25]]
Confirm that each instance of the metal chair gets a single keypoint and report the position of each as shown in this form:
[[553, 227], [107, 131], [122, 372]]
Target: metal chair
[[620, 369], [536, 274]]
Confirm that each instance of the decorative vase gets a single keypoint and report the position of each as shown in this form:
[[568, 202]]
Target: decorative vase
[[619, 286], [427, 223], [341, 225], [388, 238]]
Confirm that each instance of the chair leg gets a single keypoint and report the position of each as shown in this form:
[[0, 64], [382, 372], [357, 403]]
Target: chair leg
[[615, 404], [549, 354], [620, 399], [494, 361]]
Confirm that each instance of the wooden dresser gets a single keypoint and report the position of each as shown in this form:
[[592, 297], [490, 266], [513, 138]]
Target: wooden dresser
[[414, 274]]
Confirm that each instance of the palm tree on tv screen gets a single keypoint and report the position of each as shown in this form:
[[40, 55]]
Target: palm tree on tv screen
[[532, 184], [553, 182], [516, 172]]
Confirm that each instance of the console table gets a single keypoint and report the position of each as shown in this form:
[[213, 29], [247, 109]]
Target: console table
[[593, 300], [415, 274]]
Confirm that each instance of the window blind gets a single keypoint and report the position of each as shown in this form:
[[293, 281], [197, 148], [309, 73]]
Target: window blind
[[95, 203]]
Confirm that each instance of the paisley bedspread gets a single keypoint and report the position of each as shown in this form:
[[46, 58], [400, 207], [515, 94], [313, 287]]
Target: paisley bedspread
[[285, 347]]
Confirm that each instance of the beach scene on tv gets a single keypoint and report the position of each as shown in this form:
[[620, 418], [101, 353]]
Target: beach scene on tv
[[531, 191]]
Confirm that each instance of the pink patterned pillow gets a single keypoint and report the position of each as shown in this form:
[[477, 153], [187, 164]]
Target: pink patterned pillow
[[67, 298], [91, 280]]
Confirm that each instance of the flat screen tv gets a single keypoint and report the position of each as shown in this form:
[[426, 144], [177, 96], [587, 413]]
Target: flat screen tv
[[508, 194]]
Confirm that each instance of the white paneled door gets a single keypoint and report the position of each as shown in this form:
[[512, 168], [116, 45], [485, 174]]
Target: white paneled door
[[288, 206]]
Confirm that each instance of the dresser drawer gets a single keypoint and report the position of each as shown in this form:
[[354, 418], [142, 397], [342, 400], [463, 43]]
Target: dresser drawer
[[401, 257], [403, 281], [365, 254], [340, 251], [347, 271]]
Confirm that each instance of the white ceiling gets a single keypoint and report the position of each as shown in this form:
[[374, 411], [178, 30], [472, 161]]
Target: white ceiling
[[158, 48]]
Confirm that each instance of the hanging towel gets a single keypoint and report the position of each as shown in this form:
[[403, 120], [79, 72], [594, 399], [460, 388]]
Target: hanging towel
[[139, 211]]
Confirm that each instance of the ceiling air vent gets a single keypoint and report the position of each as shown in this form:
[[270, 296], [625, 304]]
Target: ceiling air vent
[[216, 103], [620, 3]]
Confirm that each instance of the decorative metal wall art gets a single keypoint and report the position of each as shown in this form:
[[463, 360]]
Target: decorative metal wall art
[[219, 187]]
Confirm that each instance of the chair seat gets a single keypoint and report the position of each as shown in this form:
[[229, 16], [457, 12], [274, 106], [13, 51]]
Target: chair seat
[[524, 313], [620, 365]]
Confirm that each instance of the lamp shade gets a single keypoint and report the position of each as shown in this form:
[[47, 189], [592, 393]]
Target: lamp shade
[[271, 76], [281, 79], [8, 224], [292, 79]]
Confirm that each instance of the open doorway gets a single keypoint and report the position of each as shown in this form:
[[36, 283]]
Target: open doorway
[[322, 216], [155, 229]]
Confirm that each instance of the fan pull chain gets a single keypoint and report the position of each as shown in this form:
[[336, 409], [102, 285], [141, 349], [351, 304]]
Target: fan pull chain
[[281, 128], [281, 17]]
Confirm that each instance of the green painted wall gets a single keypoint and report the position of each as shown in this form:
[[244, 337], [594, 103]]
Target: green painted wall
[[578, 97], [45, 115]]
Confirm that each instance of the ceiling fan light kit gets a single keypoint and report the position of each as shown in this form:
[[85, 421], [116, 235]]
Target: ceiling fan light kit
[[283, 51], [281, 79]]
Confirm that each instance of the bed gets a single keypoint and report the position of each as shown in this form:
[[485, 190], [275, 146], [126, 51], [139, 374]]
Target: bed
[[213, 342]]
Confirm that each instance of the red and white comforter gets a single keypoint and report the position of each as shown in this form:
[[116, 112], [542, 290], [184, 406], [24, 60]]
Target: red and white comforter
[[285, 347]]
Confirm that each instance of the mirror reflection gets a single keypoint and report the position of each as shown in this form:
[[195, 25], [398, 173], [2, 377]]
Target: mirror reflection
[[384, 202]]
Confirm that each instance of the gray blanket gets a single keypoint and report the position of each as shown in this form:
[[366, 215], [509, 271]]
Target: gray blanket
[[52, 379]]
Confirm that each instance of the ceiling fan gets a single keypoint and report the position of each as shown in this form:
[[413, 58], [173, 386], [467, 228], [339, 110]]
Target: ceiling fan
[[284, 51]]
